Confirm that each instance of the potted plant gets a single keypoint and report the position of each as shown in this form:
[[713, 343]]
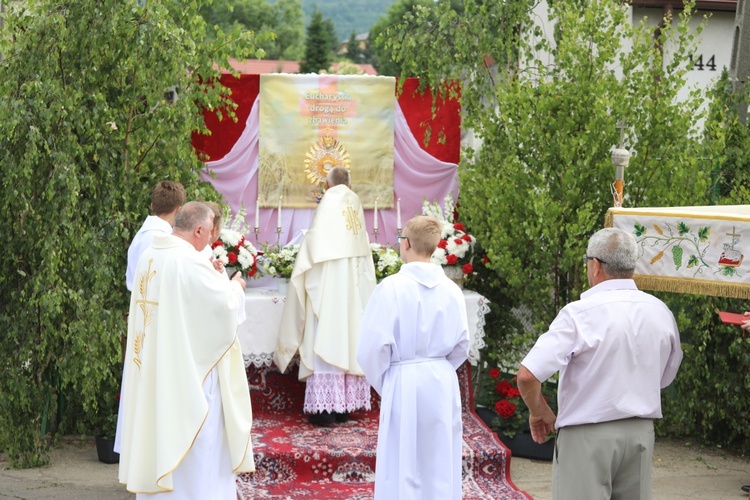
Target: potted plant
[[500, 406], [105, 440]]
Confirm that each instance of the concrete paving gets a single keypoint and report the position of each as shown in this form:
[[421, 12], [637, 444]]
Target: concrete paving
[[681, 470]]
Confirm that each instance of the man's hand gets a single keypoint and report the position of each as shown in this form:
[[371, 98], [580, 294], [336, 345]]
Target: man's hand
[[218, 265], [238, 278], [541, 417], [746, 324], [542, 426]]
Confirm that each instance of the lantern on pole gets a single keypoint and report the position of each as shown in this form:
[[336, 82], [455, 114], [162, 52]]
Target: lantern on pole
[[620, 159]]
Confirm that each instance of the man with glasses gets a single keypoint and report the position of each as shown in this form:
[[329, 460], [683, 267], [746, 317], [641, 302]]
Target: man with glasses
[[615, 349], [414, 337]]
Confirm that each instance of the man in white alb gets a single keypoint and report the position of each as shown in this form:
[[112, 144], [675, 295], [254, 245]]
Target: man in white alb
[[185, 399], [166, 199], [331, 283], [414, 337], [615, 349]]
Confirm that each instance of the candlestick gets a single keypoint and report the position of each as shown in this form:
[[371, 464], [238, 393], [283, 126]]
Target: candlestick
[[375, 216], [398, 213], [375, 232], [257, 213], [278, 236], [278, 219], [256, 230]]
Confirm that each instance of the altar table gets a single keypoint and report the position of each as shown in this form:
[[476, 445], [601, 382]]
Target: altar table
[[264, 308]]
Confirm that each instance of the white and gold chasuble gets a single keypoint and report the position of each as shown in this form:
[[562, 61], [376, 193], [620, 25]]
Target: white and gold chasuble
[[332, 281], [181, 329]]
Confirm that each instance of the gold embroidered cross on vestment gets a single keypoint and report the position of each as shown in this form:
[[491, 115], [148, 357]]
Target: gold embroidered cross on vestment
[[147, 307]]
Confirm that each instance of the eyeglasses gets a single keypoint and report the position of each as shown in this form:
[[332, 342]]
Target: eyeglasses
[[399, 238], [592, 258]]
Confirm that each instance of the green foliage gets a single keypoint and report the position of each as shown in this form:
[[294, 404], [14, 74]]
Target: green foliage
[[320, 44], [85, 133], [348, 15], [280, 24], [353, 51], [539, 185]]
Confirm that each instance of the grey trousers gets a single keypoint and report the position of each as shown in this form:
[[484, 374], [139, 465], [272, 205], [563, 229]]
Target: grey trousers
[[610, 460]]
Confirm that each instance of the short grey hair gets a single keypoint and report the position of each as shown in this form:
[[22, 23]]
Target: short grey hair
[[338, 175], [191, 215], [617, 251]]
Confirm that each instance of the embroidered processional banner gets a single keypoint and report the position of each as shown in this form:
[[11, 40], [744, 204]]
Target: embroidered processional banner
[[689, 249], [312, 123]]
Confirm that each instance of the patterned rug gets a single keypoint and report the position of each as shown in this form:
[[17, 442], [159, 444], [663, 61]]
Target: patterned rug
[[297, 460]]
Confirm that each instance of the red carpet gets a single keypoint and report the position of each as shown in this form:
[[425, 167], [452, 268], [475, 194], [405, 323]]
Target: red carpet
[[297, 460]]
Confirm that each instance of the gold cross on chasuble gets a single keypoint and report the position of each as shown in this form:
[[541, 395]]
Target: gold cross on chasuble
[[352, 221], [147, 308]]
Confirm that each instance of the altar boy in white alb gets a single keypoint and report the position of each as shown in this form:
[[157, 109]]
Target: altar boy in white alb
[[414, 337], [185, 399]]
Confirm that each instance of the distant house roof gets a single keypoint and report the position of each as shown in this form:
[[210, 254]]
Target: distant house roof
[[260, 66]]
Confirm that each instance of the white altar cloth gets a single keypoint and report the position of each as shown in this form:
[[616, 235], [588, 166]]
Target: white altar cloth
[[264, 308]]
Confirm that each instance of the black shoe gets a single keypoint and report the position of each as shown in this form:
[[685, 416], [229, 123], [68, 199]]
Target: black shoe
[[746, 488], [342, 417], [322, 419]]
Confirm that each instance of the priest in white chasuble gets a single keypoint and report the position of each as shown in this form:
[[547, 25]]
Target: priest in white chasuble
[[331, 283], [186, 402], [415, 336]]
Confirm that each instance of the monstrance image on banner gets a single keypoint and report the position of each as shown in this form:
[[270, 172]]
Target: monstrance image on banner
[[312, 123]]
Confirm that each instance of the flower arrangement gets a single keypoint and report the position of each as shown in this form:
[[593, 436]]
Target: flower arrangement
[[233, 249], [386, 260], [279, 262], [456, 246], [502, 396]]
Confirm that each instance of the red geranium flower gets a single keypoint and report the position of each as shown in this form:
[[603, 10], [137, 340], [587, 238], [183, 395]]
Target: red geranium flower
[[485, 259], [458, 241], [251, 272], [505, 408], [451, 259], [468, 268], [494, 372], [466, 237], [442, 244], [215, 244], [232, 257], [459, 227], [241, 243], [503, 387], [513, 392]]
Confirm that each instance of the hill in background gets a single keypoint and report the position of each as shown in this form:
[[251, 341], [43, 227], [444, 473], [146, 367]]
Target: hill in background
[[348, 15]]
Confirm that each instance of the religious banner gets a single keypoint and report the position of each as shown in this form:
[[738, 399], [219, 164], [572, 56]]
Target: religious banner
[[690, 249], [312, 123]]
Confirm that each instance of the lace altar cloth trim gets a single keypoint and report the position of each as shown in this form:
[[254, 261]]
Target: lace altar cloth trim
[[336, 392]]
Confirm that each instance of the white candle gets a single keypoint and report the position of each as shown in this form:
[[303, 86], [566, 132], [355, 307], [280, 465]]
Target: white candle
[[257, 213], [278, 220], [375, 216], [398, 213]]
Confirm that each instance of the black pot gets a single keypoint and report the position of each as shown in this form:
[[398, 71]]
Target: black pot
[[105, 450], [521, 445]]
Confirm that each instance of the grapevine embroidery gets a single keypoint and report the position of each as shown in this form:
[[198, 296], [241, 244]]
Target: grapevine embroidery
[[672, 240]]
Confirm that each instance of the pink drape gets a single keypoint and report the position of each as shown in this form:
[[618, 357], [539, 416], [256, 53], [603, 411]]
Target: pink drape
[[416, 175]]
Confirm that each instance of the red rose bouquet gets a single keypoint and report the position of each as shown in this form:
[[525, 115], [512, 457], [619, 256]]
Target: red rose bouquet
[[456, 246]]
